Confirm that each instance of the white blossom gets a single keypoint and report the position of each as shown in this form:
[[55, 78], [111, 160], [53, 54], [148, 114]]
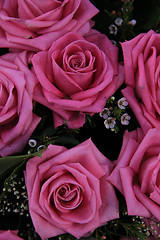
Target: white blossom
[[125, 119], [122, 103], [105, 113], [118, 21], [109, 123]]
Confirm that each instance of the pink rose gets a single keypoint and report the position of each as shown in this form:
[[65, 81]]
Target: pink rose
[[68, 191], [17, 122], [9, 235], [76, 76], [137, 173], [141, 64], [35, 24]]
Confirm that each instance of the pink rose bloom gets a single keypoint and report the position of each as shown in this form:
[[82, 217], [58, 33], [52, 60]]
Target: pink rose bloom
[[17, 122], [9, 235], [68, 191], [76, 76], [142, 70], [35, 24], [137, 173]]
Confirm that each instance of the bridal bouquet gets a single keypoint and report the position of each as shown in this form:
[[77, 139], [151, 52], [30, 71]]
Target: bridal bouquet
[[79, 119]]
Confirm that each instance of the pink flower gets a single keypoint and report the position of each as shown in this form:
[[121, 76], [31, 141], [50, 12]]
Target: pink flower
[[17, 122], [35, 24], [9, 235], [137, 173], [141, 64], [68, 191], [76, 76]]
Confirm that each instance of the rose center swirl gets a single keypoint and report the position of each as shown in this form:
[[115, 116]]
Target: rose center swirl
[[67, 197], [77, 61]]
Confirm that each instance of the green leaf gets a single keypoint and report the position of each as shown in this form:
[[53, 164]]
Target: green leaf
[[49, 131], [8, 163]]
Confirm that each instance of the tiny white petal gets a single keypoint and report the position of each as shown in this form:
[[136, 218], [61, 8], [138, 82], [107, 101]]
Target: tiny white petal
[[133, 22]]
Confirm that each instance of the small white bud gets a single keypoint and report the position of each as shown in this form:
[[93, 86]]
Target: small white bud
[[32, 142], [132, 22]]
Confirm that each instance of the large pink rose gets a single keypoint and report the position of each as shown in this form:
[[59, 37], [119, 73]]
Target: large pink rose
[[9, 235], [137, 173], [17, 122], [35, 24], [76, 76], [142, 72], [68, 191]]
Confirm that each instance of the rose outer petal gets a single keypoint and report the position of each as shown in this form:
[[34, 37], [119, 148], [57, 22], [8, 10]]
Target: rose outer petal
[[152, 207], [134, 206], [9, 235]]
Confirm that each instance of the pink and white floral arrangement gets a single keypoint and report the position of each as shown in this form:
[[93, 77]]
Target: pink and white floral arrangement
[[79, 121]]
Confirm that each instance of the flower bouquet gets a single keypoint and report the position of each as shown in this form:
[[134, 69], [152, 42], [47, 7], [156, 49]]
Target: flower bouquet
[[79, 119]]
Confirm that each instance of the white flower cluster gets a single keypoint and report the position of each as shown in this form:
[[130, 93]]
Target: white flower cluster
[[33, 143], [110, 120], [113, 29]]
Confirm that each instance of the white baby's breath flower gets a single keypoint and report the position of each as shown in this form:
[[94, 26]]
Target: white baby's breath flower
[[105, 113], [113, 29], [118, 21], [109, 123], [122, 103], [125, 119], [32, 142], [41, 147]]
